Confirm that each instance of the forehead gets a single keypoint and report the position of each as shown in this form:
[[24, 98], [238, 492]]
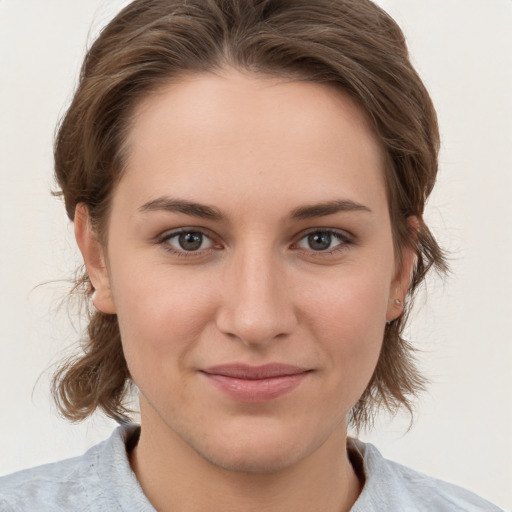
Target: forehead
[[236, 132]]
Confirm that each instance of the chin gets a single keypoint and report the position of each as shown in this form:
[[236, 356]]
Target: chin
[[262, 452], [263, 459]]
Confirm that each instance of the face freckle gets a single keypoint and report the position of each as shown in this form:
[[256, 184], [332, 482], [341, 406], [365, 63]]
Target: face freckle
[[233, 159]]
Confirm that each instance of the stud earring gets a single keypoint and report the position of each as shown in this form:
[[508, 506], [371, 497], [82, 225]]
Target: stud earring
[[398, 302]]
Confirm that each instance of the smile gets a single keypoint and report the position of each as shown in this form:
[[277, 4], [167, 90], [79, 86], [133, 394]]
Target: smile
[[255, 384]]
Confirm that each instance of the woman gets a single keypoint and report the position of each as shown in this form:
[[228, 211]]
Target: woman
[[247, 182]]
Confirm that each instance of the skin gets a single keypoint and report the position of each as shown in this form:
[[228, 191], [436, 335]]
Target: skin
[[255, 149]]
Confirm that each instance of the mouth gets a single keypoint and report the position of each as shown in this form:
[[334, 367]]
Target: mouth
[[254, 384]]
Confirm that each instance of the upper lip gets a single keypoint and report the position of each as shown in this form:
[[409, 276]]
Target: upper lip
[[248, 372]]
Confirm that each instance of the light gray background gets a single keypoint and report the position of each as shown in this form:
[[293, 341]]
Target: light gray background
[[462, 431]]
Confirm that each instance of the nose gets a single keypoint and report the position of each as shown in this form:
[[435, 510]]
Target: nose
[[257, 305]]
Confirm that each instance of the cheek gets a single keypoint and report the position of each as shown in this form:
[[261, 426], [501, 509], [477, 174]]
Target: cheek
[[347, 318], [353, 303], [160, 312]]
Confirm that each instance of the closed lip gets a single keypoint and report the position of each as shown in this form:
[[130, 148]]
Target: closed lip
[[255, 384], [248, 372]]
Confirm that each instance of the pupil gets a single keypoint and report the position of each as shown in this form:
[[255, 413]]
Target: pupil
[[191, 241], [319, 241]]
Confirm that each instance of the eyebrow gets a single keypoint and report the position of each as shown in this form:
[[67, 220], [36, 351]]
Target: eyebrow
[[208, 212], [182, 206], [328, 208]]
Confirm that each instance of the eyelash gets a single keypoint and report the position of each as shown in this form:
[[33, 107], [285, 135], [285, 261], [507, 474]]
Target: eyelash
[[343, 237], [164, 242]]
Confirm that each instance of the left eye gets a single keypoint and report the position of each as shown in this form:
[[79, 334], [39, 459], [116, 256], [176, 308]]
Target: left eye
[[188, 241], [322, 240]]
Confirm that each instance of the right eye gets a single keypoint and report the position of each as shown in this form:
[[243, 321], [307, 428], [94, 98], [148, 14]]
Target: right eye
[[186, 241]]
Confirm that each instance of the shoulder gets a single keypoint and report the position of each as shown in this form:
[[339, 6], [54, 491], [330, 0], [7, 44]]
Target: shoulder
[[79, 484], [58, 486], [391, 486]]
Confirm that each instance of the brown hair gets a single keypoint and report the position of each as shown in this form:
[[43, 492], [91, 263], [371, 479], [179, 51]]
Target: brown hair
[[352, 44]]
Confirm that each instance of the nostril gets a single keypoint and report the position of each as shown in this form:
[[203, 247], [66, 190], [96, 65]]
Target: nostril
[[258, 326]]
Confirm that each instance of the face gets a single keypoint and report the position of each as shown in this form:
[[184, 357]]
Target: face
[[250, 262]]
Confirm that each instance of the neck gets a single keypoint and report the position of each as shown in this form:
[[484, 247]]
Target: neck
[[176, 478]]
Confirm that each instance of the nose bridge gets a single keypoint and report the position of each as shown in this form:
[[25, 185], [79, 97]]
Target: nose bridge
[[256, 307]]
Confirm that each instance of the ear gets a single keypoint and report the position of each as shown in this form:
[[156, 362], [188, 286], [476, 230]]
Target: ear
[[400, 285], [95, 260]]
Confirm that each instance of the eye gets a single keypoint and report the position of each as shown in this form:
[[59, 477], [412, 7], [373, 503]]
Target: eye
[[187, 240], [323, 240]]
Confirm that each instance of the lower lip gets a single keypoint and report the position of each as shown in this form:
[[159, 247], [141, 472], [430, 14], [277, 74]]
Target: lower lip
[[256, 391]]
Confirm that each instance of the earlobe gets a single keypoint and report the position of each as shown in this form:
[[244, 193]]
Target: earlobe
[[395, 305], [95, 261], [400, 285]]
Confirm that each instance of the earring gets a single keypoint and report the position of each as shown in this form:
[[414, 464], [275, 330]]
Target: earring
[[398, 302]]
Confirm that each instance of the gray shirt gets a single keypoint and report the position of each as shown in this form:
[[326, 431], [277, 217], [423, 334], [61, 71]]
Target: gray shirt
[[101, 480]]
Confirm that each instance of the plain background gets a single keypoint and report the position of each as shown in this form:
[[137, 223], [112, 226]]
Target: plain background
[[462, 430]]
